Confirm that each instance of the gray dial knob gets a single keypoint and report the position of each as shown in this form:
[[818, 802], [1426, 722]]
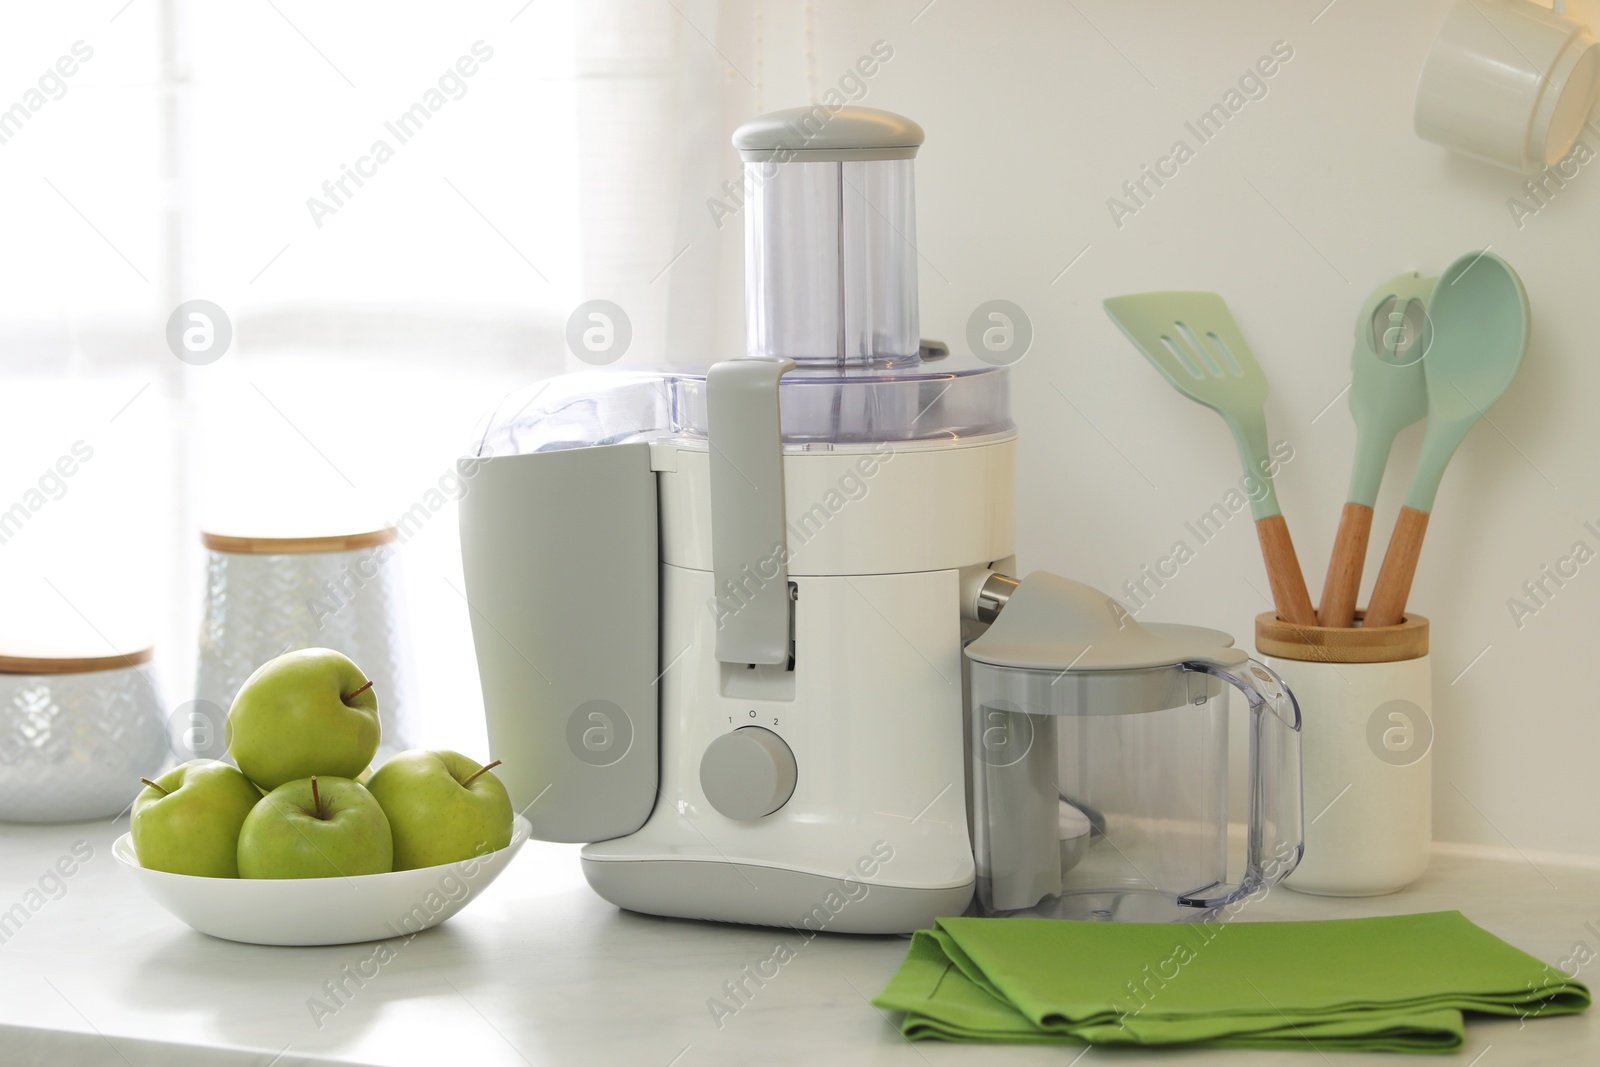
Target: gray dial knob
[[747, 773]]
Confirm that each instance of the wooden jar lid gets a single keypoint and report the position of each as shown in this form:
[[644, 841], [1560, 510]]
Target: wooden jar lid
[[290, 546], [27, 662], [1352, 644]]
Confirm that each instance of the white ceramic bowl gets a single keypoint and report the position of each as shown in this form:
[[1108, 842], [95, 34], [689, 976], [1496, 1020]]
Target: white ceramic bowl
[[322, 911]]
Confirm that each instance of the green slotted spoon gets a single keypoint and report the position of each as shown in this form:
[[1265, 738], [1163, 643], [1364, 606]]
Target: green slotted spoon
[[1481, 322], [1387, 393], [1192, 340]]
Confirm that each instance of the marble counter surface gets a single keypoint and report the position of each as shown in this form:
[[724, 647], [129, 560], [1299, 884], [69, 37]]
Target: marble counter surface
[[541, 971]]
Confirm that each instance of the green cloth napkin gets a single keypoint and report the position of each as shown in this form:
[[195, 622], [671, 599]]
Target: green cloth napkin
[[1392, 984]]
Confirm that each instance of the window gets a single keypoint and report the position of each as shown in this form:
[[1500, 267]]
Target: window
[[382, 201]]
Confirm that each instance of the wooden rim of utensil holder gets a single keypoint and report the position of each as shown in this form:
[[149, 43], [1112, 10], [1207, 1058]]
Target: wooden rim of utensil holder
[[297, 546], [1343, 644]]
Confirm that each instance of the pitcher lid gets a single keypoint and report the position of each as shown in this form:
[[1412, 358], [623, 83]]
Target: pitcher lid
[[1054, 623]]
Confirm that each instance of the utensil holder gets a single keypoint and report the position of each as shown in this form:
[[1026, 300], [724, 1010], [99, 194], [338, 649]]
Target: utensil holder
[[1367, 737]]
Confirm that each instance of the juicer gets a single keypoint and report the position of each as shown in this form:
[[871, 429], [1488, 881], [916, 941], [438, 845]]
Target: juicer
[[720, 614]]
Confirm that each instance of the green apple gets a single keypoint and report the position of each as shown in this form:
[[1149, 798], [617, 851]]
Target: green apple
[[304, 713], [442, 807], [316, 828], [187, 821]]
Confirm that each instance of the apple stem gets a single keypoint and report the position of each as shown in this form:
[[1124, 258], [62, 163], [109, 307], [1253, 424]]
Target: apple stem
[[157, 788], [316, 797], [480, 770], [358, 692]]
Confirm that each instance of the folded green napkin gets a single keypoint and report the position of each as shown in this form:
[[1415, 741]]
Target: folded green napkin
[[1392, 984]]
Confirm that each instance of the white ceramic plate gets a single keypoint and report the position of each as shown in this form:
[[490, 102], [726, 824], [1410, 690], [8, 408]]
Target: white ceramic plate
[[322, 911]]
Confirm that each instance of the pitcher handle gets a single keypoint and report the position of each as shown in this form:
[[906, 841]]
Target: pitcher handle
[[1276, 833]]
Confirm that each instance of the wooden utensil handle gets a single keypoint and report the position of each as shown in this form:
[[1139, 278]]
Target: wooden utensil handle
[[1289, 594], [1399, 567], [1343, 584]]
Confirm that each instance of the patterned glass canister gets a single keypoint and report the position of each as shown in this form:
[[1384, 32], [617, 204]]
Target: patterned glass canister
[[1366, 708], [76, 734], [265, 596]]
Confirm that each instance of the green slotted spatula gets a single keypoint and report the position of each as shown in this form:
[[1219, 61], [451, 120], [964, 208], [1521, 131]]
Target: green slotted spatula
[[1387, 393], [1192, 340]]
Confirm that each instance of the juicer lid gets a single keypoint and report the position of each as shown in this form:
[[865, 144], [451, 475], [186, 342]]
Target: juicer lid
[[818, 407], [1055, 624], [819, 134]]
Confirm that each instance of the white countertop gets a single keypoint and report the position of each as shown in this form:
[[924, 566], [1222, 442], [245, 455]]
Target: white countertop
[[539, 970]]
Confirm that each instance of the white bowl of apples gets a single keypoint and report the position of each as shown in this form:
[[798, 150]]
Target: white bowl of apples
[[298, 845]]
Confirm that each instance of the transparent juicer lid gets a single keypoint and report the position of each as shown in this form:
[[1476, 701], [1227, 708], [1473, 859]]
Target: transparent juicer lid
[[830, 282], [817, 410]]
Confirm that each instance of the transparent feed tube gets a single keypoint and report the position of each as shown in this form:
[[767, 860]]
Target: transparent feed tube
[[1276, 832], [830, 262]]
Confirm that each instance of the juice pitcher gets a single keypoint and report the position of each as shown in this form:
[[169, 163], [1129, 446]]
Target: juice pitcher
[[1098, 759]]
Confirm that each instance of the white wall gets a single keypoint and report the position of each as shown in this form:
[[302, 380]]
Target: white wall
[[1036, 113]]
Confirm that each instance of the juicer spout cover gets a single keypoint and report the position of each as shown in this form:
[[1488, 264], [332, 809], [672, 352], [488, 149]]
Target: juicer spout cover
[[1056, 624]]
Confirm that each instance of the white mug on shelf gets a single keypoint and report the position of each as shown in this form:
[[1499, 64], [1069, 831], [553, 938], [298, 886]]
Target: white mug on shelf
[[1509, 81]]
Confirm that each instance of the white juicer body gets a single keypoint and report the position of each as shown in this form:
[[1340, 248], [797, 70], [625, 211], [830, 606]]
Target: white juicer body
[[873, 838]]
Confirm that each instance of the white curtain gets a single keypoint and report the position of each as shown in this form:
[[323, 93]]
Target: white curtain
[[652, 106]]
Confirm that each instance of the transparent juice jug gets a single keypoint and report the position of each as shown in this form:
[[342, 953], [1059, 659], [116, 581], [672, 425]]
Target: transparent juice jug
[[1098, 759]]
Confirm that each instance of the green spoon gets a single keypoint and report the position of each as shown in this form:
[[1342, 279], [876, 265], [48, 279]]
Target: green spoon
[[1388, 392], [1481, 321]]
